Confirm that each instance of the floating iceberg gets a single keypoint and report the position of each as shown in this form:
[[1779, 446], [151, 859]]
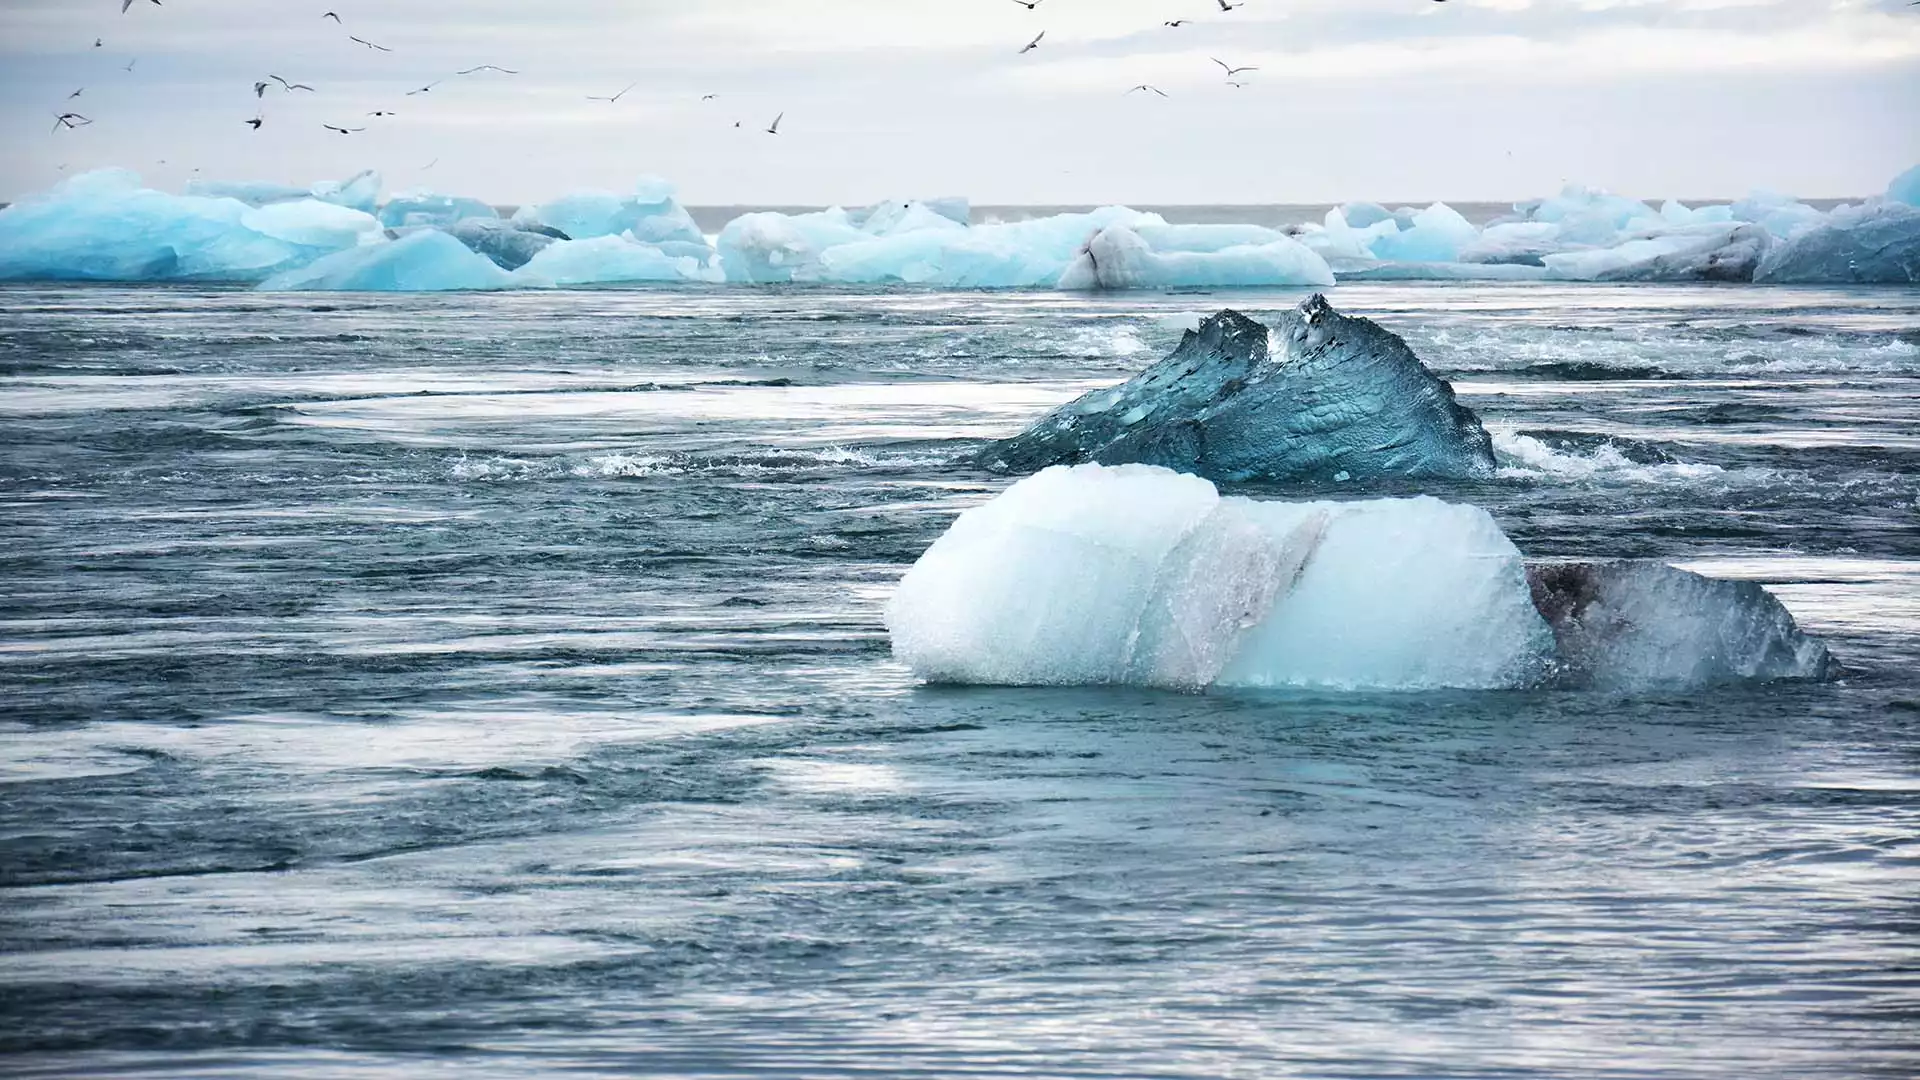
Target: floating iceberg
[[428, 208], [650, 215], [1345, 399], [104, 226], [606, 260], [1138, 575], [1436, 235], [1118, 257], [425, 261], [1727, 251], [1874, 244], [1905, 187], [1634, 624], [509, 246]]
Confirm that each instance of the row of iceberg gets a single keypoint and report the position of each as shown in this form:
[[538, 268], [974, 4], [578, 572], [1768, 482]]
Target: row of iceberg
[[106, 226]]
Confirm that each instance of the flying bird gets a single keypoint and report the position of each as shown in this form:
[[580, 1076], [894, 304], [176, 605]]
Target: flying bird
[[616, 97], [70, 120], [368, 44], [774, 128], [290, 87], [424, 89], [125, 4], [255, 122], [1034, 44], [382, 112], [708, 97], [76, 93], [1176, 23], [1224, 6], [331, 15], [341, 130], [488, 67], [130, 64], [1144, 86], [1028, 4], [1232, 71], [97, 42], [259, 89]]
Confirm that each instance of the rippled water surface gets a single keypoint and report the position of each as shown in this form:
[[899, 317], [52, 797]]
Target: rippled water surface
[[490, 685]]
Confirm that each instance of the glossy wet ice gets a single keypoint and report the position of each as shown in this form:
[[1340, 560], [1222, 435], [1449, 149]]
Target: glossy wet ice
[[495, 685]]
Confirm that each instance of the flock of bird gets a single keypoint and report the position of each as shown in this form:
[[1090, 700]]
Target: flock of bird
[[71, 119]]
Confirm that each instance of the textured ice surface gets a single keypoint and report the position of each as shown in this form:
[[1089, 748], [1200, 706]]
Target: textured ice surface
[[768, 247], [1139, 575], [360, 191], [651, 214], [105, 226], [425, 261], [1122, 258], [1345, 399], [424, 207], [1436, 235], [1727, 251], [1874, 244], [1637, 624], [509, 246], [605, 260]]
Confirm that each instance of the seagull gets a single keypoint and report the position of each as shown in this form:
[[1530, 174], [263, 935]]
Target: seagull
[[368, 44], [331, 15], [710, 97], [1028, 4], [1144, 86], [382, 112], [425, 88], [76, 93], [1034, 44], [255, 122], [774, 128], [1232, 71], [488, 67], [97, 42], [429, 164], [290, 87], [1176, 23], [1224, 6], [1235, 85], [341, 130], [70, 120], [130, 64], [125, 4], [616, 97], [259, 89]]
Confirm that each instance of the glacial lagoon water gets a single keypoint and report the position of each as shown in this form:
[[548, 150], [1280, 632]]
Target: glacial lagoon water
[[488, 685]]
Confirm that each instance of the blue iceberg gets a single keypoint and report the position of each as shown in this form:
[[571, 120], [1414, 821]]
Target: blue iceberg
[[424, 261], [1343, 400], [650, 215]]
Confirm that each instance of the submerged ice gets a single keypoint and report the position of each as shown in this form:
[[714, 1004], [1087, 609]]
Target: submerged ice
[[106, 226], [1142, 576], [1342, 399]]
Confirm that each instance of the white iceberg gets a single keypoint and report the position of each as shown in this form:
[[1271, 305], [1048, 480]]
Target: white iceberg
[[1139, 575], [1120, 258]]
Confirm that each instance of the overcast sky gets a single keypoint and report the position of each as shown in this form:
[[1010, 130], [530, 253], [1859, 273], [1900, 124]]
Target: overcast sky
[[1382, 99]]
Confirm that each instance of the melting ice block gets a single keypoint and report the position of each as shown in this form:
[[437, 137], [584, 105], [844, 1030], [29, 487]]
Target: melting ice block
[[1138, 575], [1874, 244], [509, 246], [1905, 188], [1435, 234], [425, 261], [1637, 624], [1727, 251], [424, 207], [1345, 399]]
